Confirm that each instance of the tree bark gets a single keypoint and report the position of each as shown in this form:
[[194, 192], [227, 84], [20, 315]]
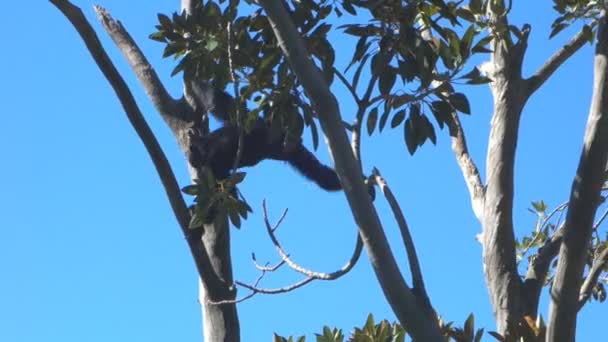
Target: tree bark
[[210, 249], [584, 200], [418, 321]]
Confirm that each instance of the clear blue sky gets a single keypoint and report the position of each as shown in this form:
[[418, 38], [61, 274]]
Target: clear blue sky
[[90, 251]]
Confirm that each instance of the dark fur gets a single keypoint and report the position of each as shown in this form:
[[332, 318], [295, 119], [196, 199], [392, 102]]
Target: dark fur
[[218, 149]]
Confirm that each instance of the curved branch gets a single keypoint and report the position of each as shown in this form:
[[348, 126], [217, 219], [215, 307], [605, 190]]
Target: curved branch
[[408, 242], [310, 275], [164, 103], [136, 118], [538, 269], [556, 60], [285, 289], [421, 324], [594, 273], [347, 85], [270, 229]]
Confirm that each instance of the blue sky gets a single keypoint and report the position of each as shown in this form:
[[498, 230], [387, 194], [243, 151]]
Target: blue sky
[[90, 251]]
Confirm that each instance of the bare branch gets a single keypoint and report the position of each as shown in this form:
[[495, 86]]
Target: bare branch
[[310, 275], [347, 85], [277, 290], [270, 229], [267, 268], [421, 324], [538, 269], [235, 301], [594, 273], [468, 167], [601, 219], [410, 248], [164, 103], [80, 23], [556, 60]]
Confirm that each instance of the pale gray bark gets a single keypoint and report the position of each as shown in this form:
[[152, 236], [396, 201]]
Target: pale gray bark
[[418, 321], [493, 202], [211, 250], [584, 200]]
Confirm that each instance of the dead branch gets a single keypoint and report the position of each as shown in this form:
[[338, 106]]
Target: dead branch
[[270, 229], [310, 275]]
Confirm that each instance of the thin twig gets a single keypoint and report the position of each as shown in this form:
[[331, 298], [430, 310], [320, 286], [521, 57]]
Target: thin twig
[[276, 290], [270, 229], [560, 208], [347, 85], [235, 301]]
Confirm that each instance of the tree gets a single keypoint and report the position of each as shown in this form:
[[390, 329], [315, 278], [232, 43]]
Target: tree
[[404, 42]]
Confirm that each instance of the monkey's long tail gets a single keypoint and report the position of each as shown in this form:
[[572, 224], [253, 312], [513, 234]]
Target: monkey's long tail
[[310, 167]]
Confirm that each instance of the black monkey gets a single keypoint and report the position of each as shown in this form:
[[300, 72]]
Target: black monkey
[[218, 149]]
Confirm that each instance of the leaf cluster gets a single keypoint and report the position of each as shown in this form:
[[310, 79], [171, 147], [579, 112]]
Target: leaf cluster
[[216, 200], [574, 10], [525, 331], [217, 44], [405, 45]]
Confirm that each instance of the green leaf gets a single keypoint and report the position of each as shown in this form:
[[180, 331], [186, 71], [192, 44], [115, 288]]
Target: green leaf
[[165, 21], [466, 14], [234, 217], [540, 206], [383, 119], [372, 119], [476, 6], [158, 36], [197, 220], [409, 133], [557, 29], [237, 177], [460, 103], [469, 325], [398, 118], [387, 80], [191, 189]]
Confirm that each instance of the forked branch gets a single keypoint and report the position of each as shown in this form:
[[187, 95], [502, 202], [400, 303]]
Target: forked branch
[[136, 118], [164, 103], [286, 260], [599, 264]]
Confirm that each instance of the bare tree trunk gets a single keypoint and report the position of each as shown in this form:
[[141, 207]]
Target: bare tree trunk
[[584, 200], [498, 241], [220, 321]]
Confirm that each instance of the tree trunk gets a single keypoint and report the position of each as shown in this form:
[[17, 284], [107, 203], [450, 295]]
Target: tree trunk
[[584, 200]]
